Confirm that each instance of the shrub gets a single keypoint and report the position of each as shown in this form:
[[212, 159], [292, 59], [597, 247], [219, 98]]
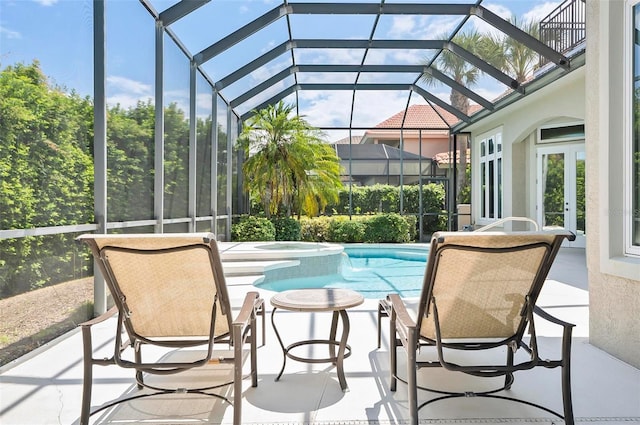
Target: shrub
[[252, 228], [387, 228], [412, 223], [386, 199], [315, 229], [347, 231], [287, 228]]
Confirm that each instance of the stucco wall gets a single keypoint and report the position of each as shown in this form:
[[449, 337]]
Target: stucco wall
[[561, 101], [430, 146], [614, 280]]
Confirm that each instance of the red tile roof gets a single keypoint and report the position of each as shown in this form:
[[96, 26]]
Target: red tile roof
[[420, 116], [345, 140], [445, 157], [424, 116]]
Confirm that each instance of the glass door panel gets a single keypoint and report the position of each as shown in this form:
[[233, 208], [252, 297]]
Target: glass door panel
[[581, 229], [553, 203], [561, 189]]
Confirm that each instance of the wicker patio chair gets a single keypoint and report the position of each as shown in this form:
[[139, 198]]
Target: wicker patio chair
[[479, 293], [169, 291]]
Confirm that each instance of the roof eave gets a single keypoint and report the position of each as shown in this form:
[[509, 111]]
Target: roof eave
[[553, 75]]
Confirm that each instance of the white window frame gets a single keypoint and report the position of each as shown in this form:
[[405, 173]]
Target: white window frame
[[629, 248], [559, 139], [498, 165]]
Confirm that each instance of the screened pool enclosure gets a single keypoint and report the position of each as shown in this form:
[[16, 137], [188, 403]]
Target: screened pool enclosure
[[174, 82]]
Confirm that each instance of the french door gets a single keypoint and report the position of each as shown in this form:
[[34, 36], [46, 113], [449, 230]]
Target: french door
[[560, 189]]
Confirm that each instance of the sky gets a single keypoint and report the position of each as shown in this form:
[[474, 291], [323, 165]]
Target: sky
[[59, 34]]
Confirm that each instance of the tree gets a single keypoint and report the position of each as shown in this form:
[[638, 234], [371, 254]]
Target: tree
[[511, 56], [130, 149], [501, 51], [466, 74], [289, 168], [46, 175]]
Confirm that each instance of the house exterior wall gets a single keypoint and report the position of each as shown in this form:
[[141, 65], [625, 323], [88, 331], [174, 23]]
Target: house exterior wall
[[614, 280], [594, 93], [432, 144], [560, 102]]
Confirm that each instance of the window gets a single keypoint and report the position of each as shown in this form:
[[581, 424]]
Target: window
[[632, 157], [565, 133], [491, 176]]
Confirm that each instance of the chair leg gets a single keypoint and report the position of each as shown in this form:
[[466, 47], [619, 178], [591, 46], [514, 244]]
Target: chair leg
[[508, 378], [254, 358], [393, 353], [237, 374], [261, 312], [380, 314], [412, 384], [137, 346], [87, 380], [566, 376]]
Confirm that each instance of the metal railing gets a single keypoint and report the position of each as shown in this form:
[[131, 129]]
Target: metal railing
[[564, 28]]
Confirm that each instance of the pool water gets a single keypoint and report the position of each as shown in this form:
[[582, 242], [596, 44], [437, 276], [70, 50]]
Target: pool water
[[372, 271]]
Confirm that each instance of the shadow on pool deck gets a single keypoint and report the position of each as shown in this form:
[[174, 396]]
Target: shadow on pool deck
[[45, 387]]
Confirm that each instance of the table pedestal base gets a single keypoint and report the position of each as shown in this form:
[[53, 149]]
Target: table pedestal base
[[344, 350]]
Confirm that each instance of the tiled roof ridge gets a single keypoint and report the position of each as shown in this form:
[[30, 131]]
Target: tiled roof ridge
[[421, 116]]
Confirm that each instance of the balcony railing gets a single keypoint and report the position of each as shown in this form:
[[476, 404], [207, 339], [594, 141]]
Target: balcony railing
[[564, 28]]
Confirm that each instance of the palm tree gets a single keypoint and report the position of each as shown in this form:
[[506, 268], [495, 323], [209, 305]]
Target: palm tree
[[288, 164], [511, 56], [464, 73], [503, 52], [458, 69]]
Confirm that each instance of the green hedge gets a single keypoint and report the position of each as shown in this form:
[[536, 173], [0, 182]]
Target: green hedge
[[347, 231], [386, 228], [386, 199], [375, 217], [375, 228], [250, 228], [287, 228]]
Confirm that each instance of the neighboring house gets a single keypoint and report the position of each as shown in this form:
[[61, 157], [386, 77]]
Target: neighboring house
[[424, 130], [422, 134], [381, 164]]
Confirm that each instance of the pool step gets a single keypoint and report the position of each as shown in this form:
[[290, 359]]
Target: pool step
[[245, 268]]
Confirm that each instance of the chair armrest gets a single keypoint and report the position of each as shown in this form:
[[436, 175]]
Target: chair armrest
[[104, 316], [546, 316], [252, 301], [405, 324]]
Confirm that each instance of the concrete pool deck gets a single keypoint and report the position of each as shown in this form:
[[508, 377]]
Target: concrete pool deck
[[45, 386]]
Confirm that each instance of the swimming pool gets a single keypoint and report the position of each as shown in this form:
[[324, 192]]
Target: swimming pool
[[372, 270]]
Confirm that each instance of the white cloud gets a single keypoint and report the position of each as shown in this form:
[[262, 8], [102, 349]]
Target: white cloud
[[402, 25], [490, 94], [500, 10], [10, 34], [411, 56], [126, 100], [423, 27], [127, 92], [46, 2], [485, 28], [432, 28], [540, 11], [123, 84]]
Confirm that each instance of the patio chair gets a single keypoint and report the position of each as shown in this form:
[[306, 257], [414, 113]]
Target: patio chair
[[169, 291], [479, 293]]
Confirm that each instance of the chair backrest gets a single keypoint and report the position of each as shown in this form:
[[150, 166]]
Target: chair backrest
[[164, 284], [482, 283]]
